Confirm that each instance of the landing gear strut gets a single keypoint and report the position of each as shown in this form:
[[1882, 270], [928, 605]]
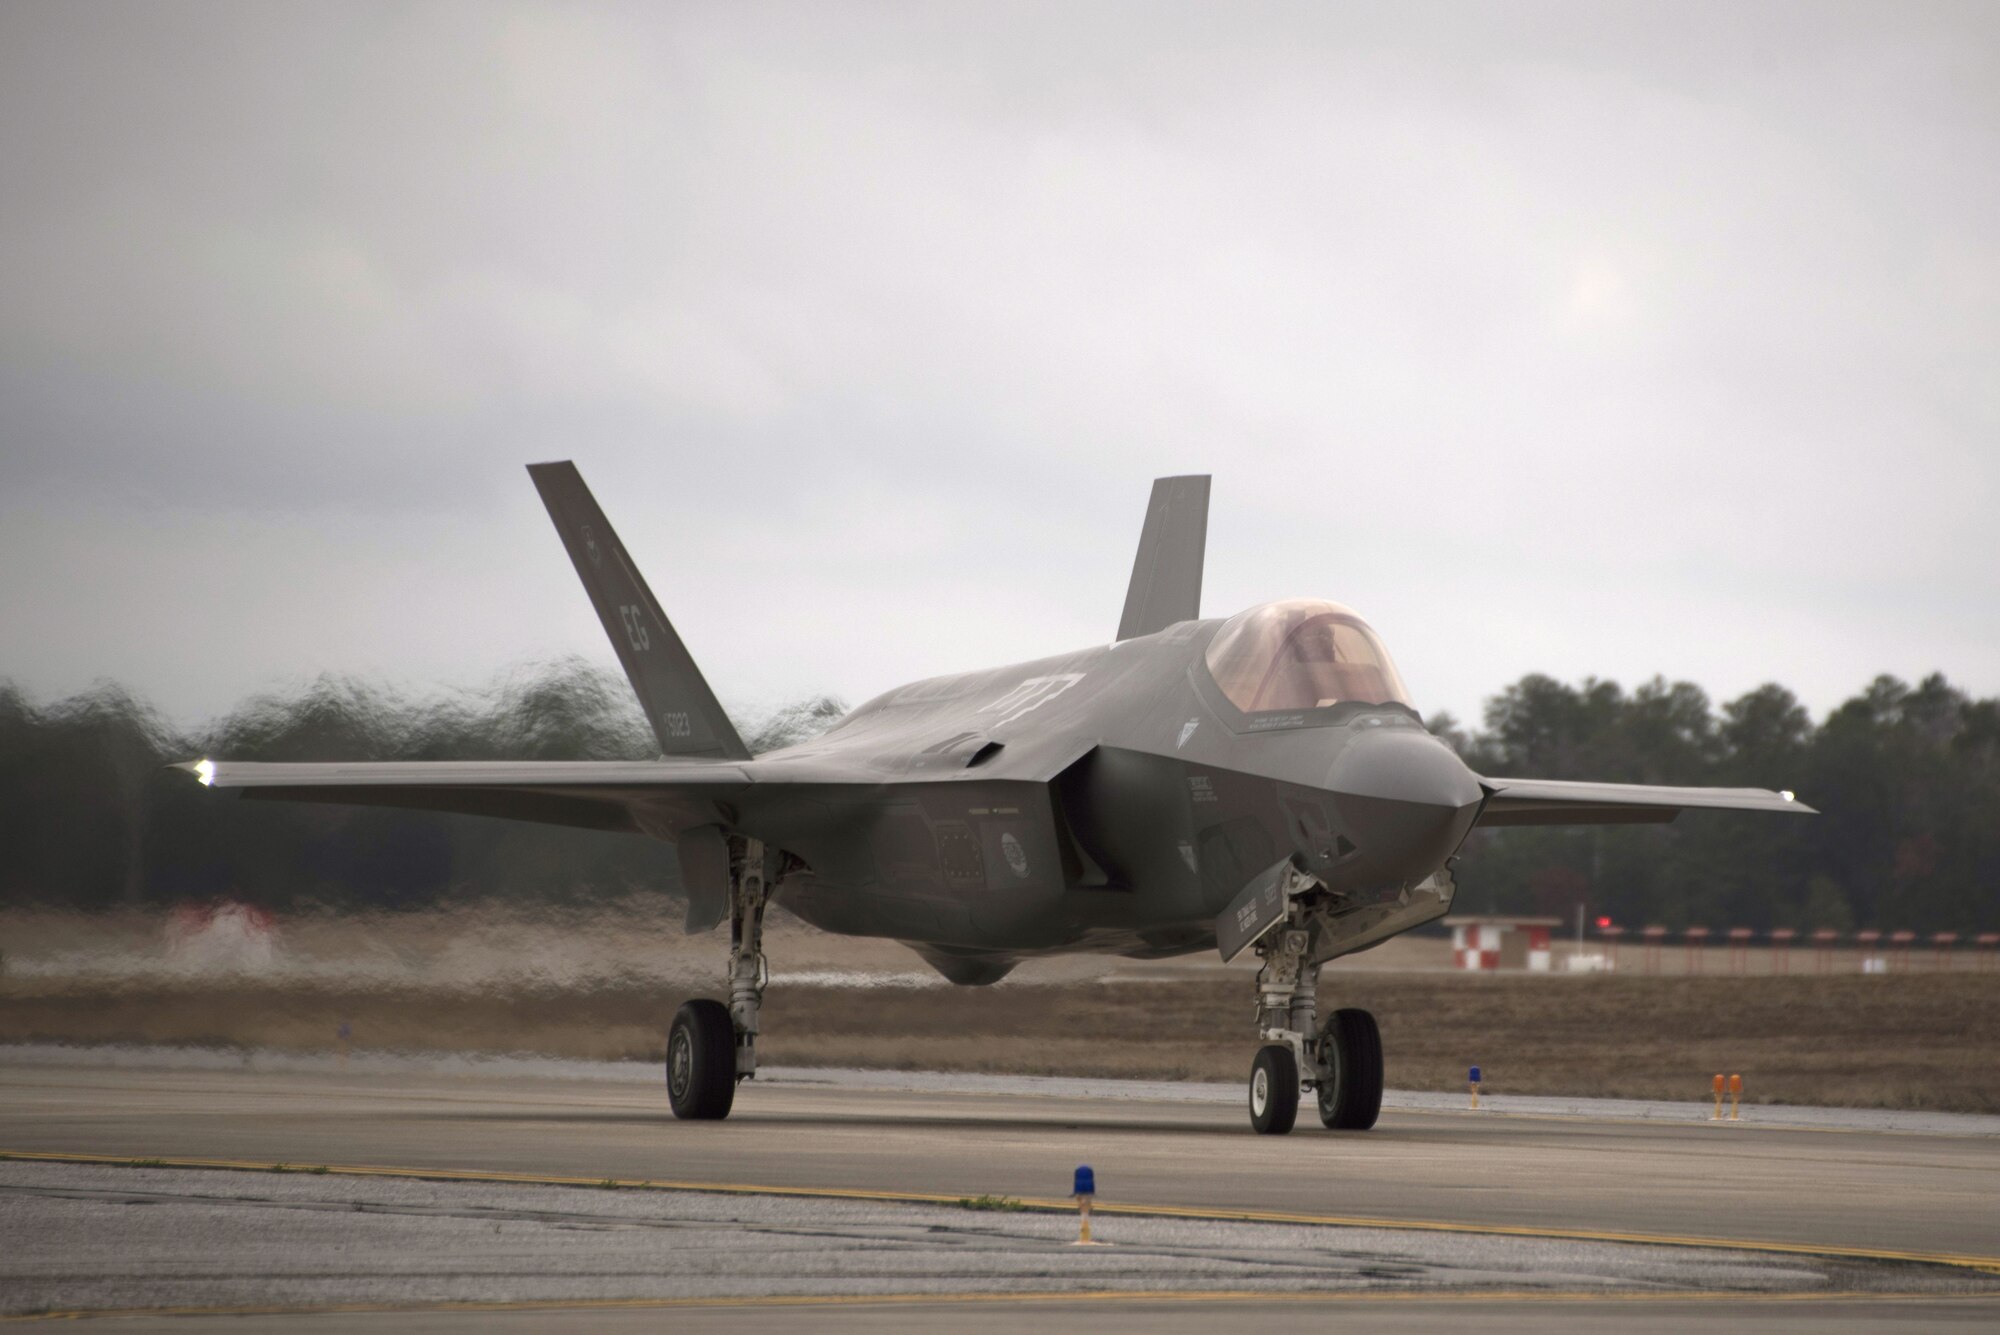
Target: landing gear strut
[[1341, 1063], [711, 1046]]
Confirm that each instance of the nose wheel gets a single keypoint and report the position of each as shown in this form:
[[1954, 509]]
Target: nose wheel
[[1340, 1062], [1274, 1090], [1346, 1079], [1349, 1079]]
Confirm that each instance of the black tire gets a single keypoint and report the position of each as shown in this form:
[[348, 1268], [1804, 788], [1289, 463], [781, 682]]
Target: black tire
[[1350, 1086], [701, 1061], [1274, 1090]]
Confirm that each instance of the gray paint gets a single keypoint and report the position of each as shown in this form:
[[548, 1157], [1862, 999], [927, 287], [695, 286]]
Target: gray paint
[[1166, 575], [1106, 800], [678, 705], [704, 858], [1253, 912]]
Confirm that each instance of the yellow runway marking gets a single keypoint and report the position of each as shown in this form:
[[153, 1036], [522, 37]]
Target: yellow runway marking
[[1984, 1264], [1097, 1297], [1612, 1119]]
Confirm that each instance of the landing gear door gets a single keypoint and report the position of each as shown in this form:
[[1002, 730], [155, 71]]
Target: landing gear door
[[1253, 912]]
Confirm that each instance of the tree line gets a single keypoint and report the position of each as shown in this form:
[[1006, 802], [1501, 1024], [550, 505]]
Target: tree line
[[1908, 779], [90, 819]]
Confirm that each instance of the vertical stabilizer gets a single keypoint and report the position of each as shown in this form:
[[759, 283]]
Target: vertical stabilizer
[[678, 703], [1166, 577]]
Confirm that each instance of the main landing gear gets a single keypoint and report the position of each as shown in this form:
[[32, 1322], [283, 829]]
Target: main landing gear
[[1341, 1062], [711, 1046]]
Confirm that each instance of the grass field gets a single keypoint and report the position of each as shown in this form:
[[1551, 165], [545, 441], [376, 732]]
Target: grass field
[[1903, 1041], [601, 983]]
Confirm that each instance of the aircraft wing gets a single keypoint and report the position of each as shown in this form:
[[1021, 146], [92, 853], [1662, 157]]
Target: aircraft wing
[[633, 796], [1554, 802]]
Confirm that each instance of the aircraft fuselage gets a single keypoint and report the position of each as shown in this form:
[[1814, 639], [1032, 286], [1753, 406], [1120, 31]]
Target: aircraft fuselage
[[1108, 800]]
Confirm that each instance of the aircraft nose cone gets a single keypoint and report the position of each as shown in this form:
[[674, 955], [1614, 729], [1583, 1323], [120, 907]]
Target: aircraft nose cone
[[1407, 800]]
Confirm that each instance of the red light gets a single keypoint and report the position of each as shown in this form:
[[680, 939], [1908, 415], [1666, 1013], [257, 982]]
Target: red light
[[1604, 922]]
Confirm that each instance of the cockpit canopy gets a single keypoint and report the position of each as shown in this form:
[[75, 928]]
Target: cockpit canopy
[[1301, 654]]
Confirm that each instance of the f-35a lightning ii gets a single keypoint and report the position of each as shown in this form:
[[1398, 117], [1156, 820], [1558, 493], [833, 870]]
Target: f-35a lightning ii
[[1260, 783]]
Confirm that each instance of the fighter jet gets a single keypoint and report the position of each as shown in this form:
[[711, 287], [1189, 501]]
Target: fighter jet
[[1258, 783]]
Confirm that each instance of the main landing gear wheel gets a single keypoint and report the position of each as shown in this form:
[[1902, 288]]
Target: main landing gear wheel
[[701, 1061], [1350, 1077], [1274, 1090]]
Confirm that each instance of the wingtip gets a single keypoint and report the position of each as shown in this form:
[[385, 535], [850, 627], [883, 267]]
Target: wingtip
[[203, 770]]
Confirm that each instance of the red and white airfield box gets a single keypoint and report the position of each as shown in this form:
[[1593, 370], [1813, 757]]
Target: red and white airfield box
[[1485, 942]]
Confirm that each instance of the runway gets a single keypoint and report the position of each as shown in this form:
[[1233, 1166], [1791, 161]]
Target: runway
[[1558, 1214]]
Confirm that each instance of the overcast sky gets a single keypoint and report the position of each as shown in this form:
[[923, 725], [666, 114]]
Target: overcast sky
[[1588, 339]]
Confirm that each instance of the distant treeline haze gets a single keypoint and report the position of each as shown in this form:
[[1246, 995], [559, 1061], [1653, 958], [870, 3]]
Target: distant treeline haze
[[1908, 779]]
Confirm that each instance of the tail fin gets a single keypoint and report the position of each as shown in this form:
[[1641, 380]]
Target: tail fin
[[678, 703], [1166, 577]]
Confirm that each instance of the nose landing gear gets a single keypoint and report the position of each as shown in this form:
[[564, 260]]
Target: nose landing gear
[[1340, 1063]]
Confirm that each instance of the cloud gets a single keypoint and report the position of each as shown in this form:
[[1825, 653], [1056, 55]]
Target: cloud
[[1553, 339]]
